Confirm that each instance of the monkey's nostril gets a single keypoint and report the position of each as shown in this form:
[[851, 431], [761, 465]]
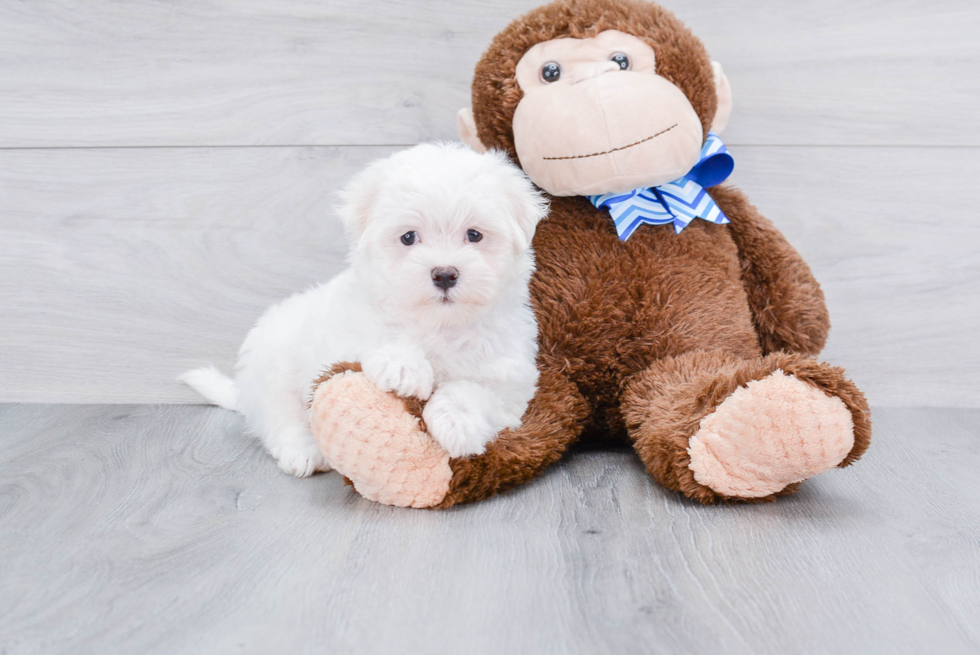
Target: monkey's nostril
[[445, 278]]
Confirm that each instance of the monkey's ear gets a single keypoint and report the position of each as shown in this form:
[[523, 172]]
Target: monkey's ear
[[466, 127], [724, 93]]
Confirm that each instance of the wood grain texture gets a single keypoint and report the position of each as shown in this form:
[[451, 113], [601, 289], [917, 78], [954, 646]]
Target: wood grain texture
[[119, 269], [138, 529], [347, 72]]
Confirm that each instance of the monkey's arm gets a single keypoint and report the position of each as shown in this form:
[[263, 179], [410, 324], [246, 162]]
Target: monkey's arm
[[786, 301]]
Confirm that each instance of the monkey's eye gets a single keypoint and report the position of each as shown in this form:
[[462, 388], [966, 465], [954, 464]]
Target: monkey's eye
[[621, 59], [473, 236], [551, 72], [409, 238]]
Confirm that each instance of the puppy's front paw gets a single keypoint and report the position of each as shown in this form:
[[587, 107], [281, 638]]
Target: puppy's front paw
[[300, 459], [457, 425], [406, 373]]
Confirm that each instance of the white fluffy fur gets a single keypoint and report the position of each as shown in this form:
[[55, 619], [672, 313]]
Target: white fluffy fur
[[469, 351]]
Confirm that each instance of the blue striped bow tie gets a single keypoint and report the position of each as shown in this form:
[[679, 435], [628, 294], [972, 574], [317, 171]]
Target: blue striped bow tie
[[678, 202]]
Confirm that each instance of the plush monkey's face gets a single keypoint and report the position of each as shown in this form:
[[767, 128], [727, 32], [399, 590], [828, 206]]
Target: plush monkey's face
[[597, 96], [596, 118]]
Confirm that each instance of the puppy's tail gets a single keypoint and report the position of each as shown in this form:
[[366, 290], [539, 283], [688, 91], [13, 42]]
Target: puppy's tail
[[214, 385]]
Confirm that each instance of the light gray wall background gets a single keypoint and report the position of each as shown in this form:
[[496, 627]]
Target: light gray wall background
[[166, 170]]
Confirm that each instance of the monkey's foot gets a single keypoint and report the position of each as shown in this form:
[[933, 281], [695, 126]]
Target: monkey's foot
[[372, 438], [769, 434]]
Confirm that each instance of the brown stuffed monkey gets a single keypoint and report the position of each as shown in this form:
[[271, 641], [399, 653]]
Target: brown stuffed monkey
[[690, 337]]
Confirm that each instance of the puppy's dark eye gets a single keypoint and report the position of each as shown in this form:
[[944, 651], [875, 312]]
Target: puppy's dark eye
[[473, 236], [551, 72], [621, 59], [409, 238]]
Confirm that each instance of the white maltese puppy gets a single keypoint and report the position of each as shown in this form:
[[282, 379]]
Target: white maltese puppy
[[434, 304]]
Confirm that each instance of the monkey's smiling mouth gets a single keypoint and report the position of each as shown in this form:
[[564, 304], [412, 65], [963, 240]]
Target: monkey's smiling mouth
[[596, 154]]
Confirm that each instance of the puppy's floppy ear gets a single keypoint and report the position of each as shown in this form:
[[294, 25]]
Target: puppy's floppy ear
[[356, 200], [526, 204]]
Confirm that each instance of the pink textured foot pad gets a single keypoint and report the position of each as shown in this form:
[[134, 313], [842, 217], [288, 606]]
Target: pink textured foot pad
[[769, 434], [368, 436]]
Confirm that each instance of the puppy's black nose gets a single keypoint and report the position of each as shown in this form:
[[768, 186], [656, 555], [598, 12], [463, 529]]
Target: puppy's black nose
[[444, 278]]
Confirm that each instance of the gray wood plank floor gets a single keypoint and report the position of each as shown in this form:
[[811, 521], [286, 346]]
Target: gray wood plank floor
[[162, 529]]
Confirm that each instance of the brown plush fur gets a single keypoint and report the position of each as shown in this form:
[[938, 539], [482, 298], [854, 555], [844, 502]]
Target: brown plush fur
[[641, 340], [787, 304]]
